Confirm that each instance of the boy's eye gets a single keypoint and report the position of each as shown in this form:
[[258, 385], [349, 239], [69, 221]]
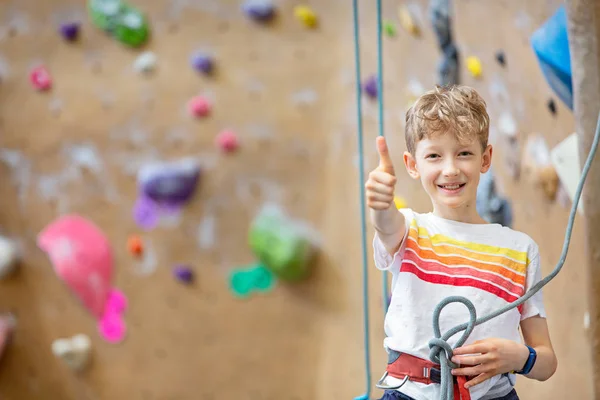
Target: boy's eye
[[465, 153], [432, 156]]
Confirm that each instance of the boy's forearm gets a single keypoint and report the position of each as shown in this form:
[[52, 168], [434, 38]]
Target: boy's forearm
[[390, 227], [545, 365]]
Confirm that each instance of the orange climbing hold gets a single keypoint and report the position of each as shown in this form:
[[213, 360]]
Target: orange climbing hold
[[135, 245]]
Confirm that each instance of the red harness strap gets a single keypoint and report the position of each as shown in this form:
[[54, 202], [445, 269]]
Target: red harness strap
[[419, 370]]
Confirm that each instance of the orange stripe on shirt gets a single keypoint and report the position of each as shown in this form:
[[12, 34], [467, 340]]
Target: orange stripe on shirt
[[449, 259]]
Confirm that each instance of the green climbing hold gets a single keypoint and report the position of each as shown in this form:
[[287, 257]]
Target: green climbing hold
[[281, 244], [122, 21], [389, 28], [263, 278], [243, 281], [240, 283]]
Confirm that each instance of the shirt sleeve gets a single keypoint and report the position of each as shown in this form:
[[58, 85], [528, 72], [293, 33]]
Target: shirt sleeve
[[535, 305], [384, 261]]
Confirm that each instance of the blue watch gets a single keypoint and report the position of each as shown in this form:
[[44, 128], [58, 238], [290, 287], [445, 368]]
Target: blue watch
[[529, 363]]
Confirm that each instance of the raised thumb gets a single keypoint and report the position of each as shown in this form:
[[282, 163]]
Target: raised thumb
[[385, 161]]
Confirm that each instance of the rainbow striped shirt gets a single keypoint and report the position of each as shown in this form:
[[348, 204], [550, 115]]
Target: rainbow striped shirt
[[489, 264]]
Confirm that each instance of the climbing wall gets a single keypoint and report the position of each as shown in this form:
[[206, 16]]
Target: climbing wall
[[286, 93]]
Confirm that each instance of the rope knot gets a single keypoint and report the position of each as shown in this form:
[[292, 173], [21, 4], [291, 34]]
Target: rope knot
[[440, 350]]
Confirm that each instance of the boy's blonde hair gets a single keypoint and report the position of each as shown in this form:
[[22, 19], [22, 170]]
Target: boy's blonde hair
[[456, 109]]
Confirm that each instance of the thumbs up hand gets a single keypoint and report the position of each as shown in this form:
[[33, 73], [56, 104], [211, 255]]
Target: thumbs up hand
[[382, 180]]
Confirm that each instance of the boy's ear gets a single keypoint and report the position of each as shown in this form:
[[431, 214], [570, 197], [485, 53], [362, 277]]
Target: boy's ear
[[486, 159], [411, 165]]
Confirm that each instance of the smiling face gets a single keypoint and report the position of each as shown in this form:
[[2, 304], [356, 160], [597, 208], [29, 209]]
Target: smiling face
[[449, 171]]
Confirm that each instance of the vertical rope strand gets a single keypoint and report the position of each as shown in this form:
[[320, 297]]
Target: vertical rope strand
[[363, 221], [385, 286]]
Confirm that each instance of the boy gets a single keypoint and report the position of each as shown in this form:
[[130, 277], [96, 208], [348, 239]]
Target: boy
[[452, 251]]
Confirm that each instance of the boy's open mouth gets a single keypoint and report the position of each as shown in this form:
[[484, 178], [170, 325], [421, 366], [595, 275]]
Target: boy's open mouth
[[454, 186]]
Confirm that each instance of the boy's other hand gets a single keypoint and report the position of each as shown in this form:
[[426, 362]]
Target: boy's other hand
[[382, 180]]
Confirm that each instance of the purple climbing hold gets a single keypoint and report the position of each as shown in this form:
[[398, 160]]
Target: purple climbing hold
[[202, 62], [146, 213], [370, 87], [70, 31], [183, 273], [169, 182], [259, 10]]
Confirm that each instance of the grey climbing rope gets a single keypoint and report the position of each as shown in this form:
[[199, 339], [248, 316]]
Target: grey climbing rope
[[440, 351]]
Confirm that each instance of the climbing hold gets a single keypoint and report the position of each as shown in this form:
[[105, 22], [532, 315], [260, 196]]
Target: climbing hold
[[82, 258], [121, 20], [550, 43], [145, 62], [552, 106], [227, 141], [399, 202], [259, 10], [199, 106], [407, 21], [492, 207], [263, 278], [74, 351], [112, 327], [565, 160], [70, 31], [169, 182], [389, 28], [240, 283], [501, 58], [244, 281], [9, 257], [537, 165], [135, 246], [40, 78], [474, 66], [362, 397], [370, 87], [183, 273], [448, 72], [202, 62], [281, 244], [306, 15]]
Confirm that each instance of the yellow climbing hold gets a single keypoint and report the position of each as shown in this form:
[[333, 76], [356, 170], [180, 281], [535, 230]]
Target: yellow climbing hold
[[399, 202], [474, 66], [306, 15], [407, 21]]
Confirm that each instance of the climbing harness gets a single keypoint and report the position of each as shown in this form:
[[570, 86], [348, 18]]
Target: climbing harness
[[440, 351]]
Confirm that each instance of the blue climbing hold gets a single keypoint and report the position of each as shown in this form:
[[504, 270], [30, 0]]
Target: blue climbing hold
[[551, 45], [362, 397]]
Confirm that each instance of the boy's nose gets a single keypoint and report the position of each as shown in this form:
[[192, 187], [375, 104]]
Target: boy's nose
[[450, 169]]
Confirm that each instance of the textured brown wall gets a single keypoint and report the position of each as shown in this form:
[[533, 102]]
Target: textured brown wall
[[289, 93]]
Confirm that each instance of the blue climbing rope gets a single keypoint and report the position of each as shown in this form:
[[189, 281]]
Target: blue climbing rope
[[363, 221], [440, 351], [361, 172]]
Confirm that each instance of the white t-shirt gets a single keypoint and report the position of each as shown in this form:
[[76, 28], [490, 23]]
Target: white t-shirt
[[489, 264]]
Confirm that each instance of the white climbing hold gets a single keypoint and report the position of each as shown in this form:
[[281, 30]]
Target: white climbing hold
[[146, 62], [507, 125], [74, 351], [565, 159], [586, 320], [9, 257]]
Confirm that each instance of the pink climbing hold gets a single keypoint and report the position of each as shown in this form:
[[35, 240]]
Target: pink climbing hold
[[199, 106], [81, 257], [227, 141], [40, 78], [112, 327]]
